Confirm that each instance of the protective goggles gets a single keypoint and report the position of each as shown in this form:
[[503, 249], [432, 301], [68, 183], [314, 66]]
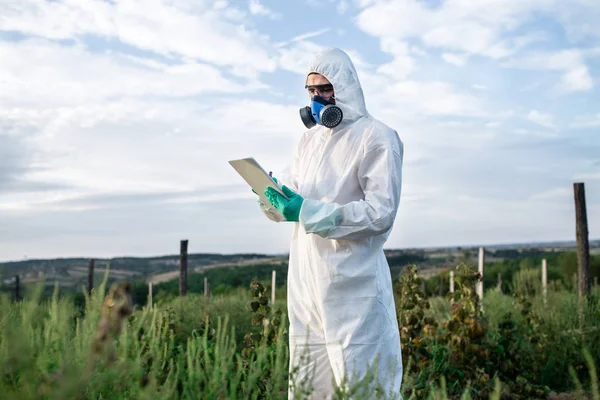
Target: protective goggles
[[328, 87]]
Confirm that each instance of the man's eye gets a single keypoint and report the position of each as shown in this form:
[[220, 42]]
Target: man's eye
[[320, 88]]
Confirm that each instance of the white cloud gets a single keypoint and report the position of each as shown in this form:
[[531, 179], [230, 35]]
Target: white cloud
[[579, 18], [402, 63], [414, 98], [42, 72], [479, 87], [493, 124], [256, 8], [304, 36], [586, 121], [462, 28], [529, 38], [545, 120], [455, 59], [466, 26], [587, 177], [578, 79], [553, 194], [576, 76], [543, 134], [342, 6], [296, 58], [417, 50], [147, 145], [189, 29]]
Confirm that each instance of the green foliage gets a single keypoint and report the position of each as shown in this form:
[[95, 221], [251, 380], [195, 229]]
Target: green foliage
[[503, 348], [45, 348], [416, 330], [269, 334], [235, 346], [528, 282], [225, 280]]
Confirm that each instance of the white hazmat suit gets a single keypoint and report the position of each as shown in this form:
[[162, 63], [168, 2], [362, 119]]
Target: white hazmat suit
[[340, 296]]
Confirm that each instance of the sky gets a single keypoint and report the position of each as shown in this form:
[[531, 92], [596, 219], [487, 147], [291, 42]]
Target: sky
[[118, 117]]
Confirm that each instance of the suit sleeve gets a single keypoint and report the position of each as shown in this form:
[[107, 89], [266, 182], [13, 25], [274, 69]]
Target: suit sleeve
[[380, 174]]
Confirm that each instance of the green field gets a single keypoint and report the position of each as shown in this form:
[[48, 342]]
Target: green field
[[225, 347]]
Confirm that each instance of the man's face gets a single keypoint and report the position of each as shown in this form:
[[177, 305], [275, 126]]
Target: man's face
[[318, 85]]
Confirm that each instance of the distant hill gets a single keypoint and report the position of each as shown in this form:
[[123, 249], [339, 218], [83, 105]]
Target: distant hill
[[72, 272]]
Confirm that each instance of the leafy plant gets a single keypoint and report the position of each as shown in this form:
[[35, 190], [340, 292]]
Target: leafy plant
[[267, 336]]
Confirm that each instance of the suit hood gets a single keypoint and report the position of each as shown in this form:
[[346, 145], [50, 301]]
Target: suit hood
[[335, 65]]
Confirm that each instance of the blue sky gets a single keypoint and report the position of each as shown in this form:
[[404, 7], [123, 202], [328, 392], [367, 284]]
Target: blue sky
[[117, 118]]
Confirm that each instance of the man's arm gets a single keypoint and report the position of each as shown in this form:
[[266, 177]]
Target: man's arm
[[381, 172]]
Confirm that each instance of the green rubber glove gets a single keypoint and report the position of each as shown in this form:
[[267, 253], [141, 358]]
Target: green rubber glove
[[289, 208]]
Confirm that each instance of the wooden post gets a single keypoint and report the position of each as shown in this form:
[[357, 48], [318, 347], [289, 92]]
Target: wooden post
[[545, 280], [423, 287], [451, 286], [583, 246], [150, 295], [90, 283], [499, 281], [183, 268], [17, 288], [206, 288], [273, 280], [480, 269]]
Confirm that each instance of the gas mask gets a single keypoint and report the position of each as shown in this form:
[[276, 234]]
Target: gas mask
[[321, 112]]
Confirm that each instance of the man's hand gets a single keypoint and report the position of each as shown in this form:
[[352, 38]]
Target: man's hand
[[289, 208]]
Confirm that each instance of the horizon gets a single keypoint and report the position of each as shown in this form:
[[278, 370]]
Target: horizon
[[117, 122], [534, 244]]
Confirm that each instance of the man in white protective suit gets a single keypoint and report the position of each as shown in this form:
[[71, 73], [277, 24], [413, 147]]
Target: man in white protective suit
[[343, 192]]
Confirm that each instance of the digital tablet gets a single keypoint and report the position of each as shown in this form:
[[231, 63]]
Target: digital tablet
[[255, 176]]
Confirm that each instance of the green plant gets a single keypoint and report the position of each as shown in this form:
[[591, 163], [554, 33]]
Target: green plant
[[416, 330], [269, 333]]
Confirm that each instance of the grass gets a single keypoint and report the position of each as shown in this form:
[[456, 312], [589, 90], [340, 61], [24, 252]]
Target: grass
[[190, 348]]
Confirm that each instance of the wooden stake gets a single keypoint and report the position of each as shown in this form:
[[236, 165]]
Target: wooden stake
[[90, 283], [17, 288], [206, 288], [583, 246], [150, 295], [499, 281], [544, 279], [480, 269], [273, 280], [451, 286], [183, 268]]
